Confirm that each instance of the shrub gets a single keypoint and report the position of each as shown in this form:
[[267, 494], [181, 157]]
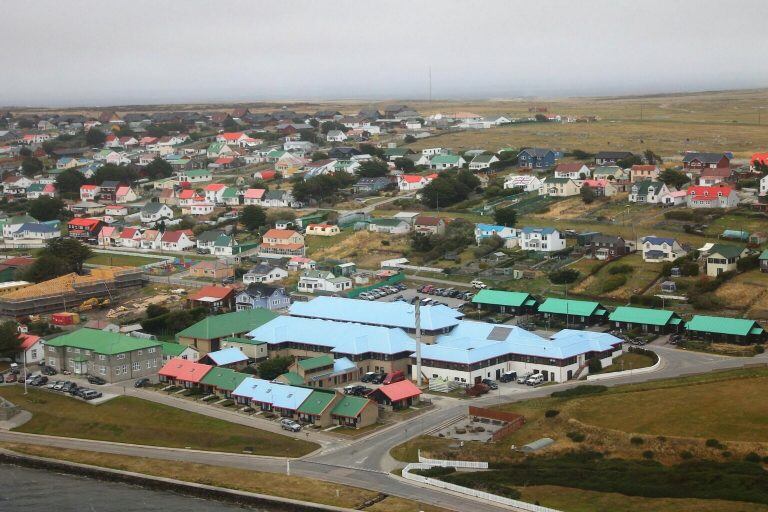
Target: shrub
[[576, 437], [686, 455], [637, 440], [759, 349], [752, 457], [613, 282], [726, 454], [594, 365], [551, 413], [435, 472], [620, 269], [585, 389], [713, 443], [648, 454]]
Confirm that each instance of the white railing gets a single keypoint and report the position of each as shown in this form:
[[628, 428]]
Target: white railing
[[614, 375], [493, 498], [453, 463]]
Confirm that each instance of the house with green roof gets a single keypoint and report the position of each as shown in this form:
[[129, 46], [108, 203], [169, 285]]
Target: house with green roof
[[725, 329], [763, 259], [222, 381], [194, 176], [389, 225], [659, 321], [321, 372], [207, 334], [173, 349], [442, 162], [355, 412], [515, 303], [573, 312], [316, 409], [112, 356], [722, 258]]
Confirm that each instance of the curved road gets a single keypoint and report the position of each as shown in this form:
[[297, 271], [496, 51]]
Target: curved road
[[366, 462]]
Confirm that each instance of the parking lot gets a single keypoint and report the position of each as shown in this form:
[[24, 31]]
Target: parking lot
[[409, 293], [78, 388]]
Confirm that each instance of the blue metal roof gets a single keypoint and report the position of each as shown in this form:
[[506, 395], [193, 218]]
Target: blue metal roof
[[342, 364], [544, 231], [658, 240], [341, 337], [36, 228], [387, 314], [227, 356], [279, 395], [473, 342]]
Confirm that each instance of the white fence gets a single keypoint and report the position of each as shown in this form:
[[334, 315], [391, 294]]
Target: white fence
[[614, 375], [425, 463]]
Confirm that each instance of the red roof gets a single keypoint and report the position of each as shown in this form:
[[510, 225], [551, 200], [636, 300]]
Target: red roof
[[569, 167], [215, 187], [400, 390], [19, 261], [231, 135], [700, 193], [184, 369], [175, 236], [83, 222], [224, 160], [88, 187], [254, 193], [214, 292], [267, 175], [595, 183], [27, 340], [425, 220], [187, 193], [128, 233], [759, 158], [279, 233], [411, 178]]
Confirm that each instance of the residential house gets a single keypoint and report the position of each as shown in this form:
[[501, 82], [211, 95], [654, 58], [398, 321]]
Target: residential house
[[572, 170], [115, 210], [151, 239], [712, 197], [389, 225], [177, 240], [482, 162], [259, 295], [323, 229], [255, 350], [194, 176], [231, 358], [574, 311], [763, 259], [279, 199], [514, 303], [611, 157], [406, 182], [658, 249], [320, 372], [312, 281], [129, 237], [155, 212], [527, 182], [610, 173], [647, 191], [371, 185], [281, 242], [125, 194], [541, 239], [658, 321], [253, 196], [644, 172], [724, 329], [713, 176], [722, 258], [397, 396], [675, 198], [264, 273], [207, 239], [211, 269], [538, 158], [31, 350], [89, 192], [297, 263], [607, 247], [429, 225], [215, 299], [601, 188], [84, 228], [510, 236], [694, 161], [335, 136], [108, 236], [442, 162], [559, 187]]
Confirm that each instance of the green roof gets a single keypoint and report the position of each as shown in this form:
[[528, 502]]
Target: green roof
[[223, 378], [293, 378], [197, 172], [569, 307], [316, 402], [171, 348], [729, 251], [723, 325], [501, 298], [245, 341], [642, 316], [445, 159], [316, 362], [350, 406], [101, 342], [229, 193], [228, 324], [764, 255], [396, 151], [386, 222]]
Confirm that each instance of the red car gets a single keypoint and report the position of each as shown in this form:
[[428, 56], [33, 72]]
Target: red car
[[10, 377]]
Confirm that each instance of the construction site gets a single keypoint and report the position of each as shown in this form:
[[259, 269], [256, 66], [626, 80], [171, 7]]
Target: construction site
[[71, 292]]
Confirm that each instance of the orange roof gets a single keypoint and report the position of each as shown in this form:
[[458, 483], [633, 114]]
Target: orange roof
[[254, 193], [400, 390], [184, 369], [27, 340], [279, 233], [213, 292], [214, 187], [88, 187], [231, 135], [702, 193], [83, 222], [759, 158], [411, 178]]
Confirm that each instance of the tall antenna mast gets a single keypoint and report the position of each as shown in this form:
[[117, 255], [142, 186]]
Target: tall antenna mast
[[418, 341], [430, 84]]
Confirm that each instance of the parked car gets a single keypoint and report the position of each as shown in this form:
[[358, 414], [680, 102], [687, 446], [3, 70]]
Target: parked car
[[508, 377], [535, 379], [378, 378], [393, 377], [48, 370], [75, 390], [490, 383], [367, 377], [478, 285], [140, 383], [522, 378], [53, 384], [92, 394], [39, 380], [68, 386], [95, 379], [289, 424], [9, 377]]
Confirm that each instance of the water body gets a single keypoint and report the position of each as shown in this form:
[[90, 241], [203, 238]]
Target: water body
[[36, 490]]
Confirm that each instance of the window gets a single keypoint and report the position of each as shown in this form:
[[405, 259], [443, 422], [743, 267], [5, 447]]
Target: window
[[117, 370], [102, 357], [140, 352], [77, 351], [136, 366], [103, 370], [87, 352], [51, 349], [51, 361], [69, 349], [121, 356], [34, 353], [151, 350]]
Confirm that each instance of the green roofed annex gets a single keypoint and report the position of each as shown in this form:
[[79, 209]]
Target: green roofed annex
[[222, 380], [207, 334], [718, 328], [516, 303], [580, 311], [648, 320]]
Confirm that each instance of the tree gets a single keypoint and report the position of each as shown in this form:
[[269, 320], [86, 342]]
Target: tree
[[10, 341], [421, 242], [154, 310], [31, 166], [68, 183], [373, 168], [274, 367], [587, 194], [46, 208], [95, 137], [71, 251], [444, 190], [405, 164], [652, 158], [673, 178], [158, 168], [112, 172], [370, 149], [253, 217], [564, 276], [319, 155], [505, 216], [409, 139], [468, 179], [279, 214], [628, 162], [46, 266], [327, 126]]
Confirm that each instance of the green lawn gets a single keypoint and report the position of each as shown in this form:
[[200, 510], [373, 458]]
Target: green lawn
[[629, 361], [122, 260], [132, 420]]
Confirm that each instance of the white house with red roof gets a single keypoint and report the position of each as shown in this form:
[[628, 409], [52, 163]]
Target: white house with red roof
[[414, 181], [198, 208], [128, 141], [125, 194], [237, 138], [281, 242], [253, 196], [572, 170], [178, 240], [89, 192], [112, 141], [602, 188], [31, 349], [214, 192], [712, 197], [108, 236], [129, 237], [35, 138], [147, 141]]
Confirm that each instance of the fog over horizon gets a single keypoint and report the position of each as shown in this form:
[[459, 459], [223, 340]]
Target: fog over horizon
[[81, 53]]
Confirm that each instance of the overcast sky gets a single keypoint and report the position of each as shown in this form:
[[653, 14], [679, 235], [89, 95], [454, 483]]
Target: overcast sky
[[79, 52]]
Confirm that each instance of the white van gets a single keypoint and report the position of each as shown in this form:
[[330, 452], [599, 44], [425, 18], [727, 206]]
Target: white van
[[478, 285], [535, 379]]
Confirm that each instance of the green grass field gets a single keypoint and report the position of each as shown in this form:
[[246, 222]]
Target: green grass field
[[119, 260], [132, 420]]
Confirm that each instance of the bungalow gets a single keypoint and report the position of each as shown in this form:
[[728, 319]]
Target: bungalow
[[695, 162], [644, 172], [207, 334], [214, 192], [258, 295], [538, 158], [482, 162], [207, 239], [312, 281], [297, 263], [281, 242], [658, 249], [36, 231], [709, 176], [573, 311], [320, 372], [646, 191], [115, 210], [510, 236], [214, 298], [108, 236], [323, 229], [371, 185], [129, 237], [198, 208], [253, 196], [658, 321], [602, 188], [712, 197], [559, 187], [514, 303], [722, 258], [611, 157], [527, 182], [36, 190], [207, 269], [335, 136], [443, 162], [607, 247], [541, 239], [178, 240], [393, 154], [429, 225], [231, 358], [125, 194], [572, 170], [610, 173], [408, 182], [400, 395], [155, 212], [264, 274], [675, 198], [222, 381], [31, 350], [279, 199], [355, 412], [84, 228], [89, 192], [194, 176], [183, 372], [723, 329], [151, 239], [391, 226]]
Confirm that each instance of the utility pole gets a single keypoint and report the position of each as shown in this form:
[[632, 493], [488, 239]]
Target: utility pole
[[418, 341], [430, 85]]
